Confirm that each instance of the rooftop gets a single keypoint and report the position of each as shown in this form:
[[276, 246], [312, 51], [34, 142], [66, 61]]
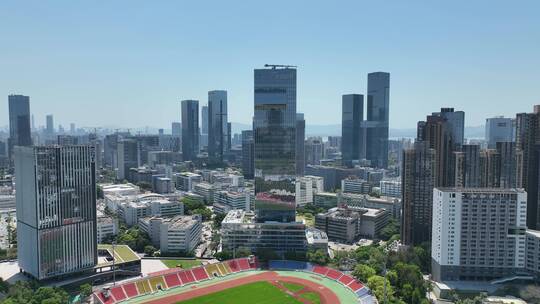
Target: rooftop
[[122, 253]]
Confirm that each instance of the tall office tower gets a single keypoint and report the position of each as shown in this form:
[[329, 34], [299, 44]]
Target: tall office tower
[[300, 144], [205, 121], [176, 129], [499, 129], [456, 124], [110, 154], [527, 143], [56, 210], [128, 157], [378, 104], [217, 125], [190, 129], [274, 129], [467, 166], [50, 125], [229, 138], [314, 150], [352, 141], [248, 154], [508, 164], [19, 122], [417, 182], [478, 234], [490, 168]]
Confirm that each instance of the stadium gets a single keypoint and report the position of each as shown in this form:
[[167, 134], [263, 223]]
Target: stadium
[[241, 281]]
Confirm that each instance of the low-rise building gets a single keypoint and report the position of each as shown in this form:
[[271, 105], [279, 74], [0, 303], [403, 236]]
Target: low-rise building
[[105, 227], [148, 205], [316, 239], [181, 233], [206, 190], [325, 200], [390, 188], [356, 185], [241, 229], [225, 201], [186, 180], [532, 255], [392, 204]]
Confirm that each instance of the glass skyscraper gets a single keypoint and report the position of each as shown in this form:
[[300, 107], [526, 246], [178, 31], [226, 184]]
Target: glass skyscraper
[[56, 210], [351, 128], [218, 136], [378, 101], [275, 144], [190, 129], [19, 122]]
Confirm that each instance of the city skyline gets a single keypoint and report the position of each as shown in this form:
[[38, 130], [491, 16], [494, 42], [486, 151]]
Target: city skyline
[[452, 57]]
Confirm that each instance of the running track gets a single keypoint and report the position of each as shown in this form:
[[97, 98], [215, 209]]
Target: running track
[[326, 295]]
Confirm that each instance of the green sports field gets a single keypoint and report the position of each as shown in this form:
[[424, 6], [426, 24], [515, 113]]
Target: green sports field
[[258, 292]]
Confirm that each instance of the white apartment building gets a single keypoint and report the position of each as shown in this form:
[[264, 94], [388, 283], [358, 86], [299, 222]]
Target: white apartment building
[[181, 233]]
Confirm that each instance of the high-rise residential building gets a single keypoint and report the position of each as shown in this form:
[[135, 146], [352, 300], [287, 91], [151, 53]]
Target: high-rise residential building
[[490, 169], [509, 162], [19, 122], [72, 128], [499, 129], [274, 129], [176, 129], [467, 166], [478, 234], [352, 141], [300, 144], [314, 150], [417, 180], [50, 125], [456, 124], [190, 129], [128, 157], [56, 210], [218, 136], [377, 124], [248, 151], [528, 146]]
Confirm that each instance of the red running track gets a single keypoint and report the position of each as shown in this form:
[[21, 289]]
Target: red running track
[[327, 296]]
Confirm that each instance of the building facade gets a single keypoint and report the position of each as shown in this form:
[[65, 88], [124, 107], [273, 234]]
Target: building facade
[[352, 139], [19, 123], [56, 210], [499, 129], [377, 124], [190, 129], [218, 136]]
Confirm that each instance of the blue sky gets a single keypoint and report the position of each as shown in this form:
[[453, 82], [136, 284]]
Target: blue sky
[[129, 63]]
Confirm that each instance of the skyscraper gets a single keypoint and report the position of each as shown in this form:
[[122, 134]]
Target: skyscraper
[[19, 122], [300, 144], [378, 104], [456, 124], [56, 210], [190, 129], [50, 125], [217, 125], [417, 181], [527, 143], [275, 144], [204, 117], [128, 157], [247, 154], [352, 106], [499, 129]]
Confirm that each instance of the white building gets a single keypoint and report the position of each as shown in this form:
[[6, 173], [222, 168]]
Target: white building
[[186, 180], [478, 234], [225, 201], [106, 226], [181, 233], [150, 206], [390, 188], [306, 187], [355, 185]]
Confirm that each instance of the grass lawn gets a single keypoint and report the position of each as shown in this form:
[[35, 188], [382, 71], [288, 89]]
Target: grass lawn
[[186, 264], [312, 297], [292, 287], [258, 292]]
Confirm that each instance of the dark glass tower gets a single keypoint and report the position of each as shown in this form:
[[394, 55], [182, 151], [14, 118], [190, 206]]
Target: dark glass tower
[[351, 128], [217, 125], [19, 122], [275, 144], [300, 144], [247, 153], [190, 129], [378, 102]]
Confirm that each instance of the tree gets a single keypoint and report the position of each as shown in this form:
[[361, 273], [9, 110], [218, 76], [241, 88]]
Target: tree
[[99, 191], [218, 218], [149, 250], [376, 284], [205, 213], [363, 272], [391, 229], [318, 256], [223, 255], [145, 186], [85, 290]]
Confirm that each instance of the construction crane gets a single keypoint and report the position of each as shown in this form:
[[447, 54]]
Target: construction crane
[[273, 66]]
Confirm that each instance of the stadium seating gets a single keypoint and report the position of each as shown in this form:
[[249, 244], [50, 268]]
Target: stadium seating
[[186, 276], [212, 270], [172, 280], [233, 264], [118, 293], [199, 273], [143, 287], [355, 285], [104, 300], [244, 264], [345, 279], [333, 274], [131, 290], [320, 270], [157, 283]]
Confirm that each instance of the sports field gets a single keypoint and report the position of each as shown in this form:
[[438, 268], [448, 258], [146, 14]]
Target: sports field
[[258, 292]]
